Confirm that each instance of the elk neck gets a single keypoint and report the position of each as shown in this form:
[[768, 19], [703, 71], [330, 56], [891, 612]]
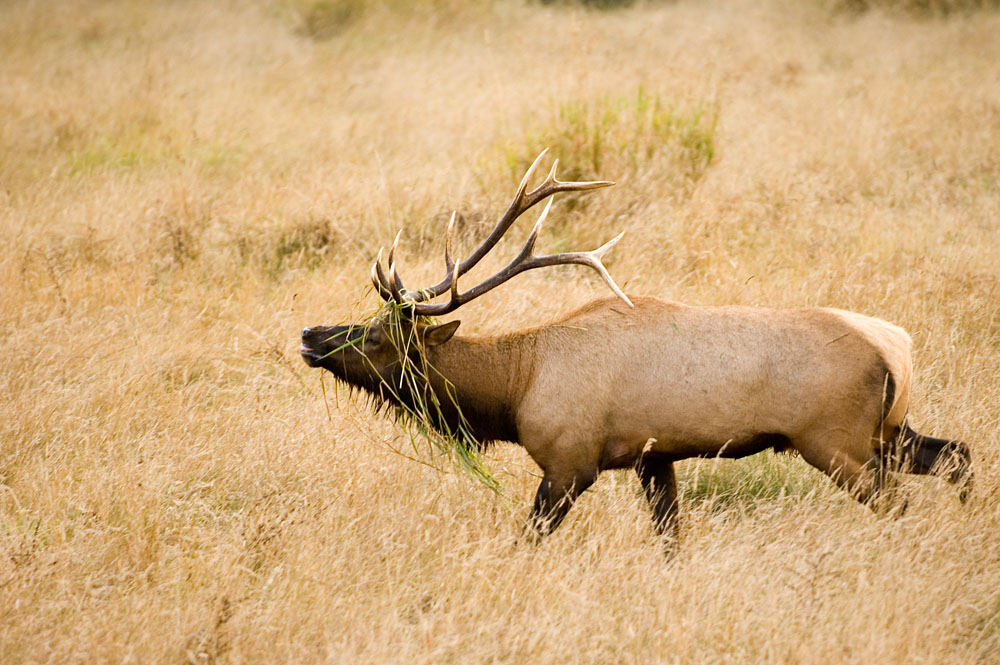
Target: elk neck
[[489, 375]]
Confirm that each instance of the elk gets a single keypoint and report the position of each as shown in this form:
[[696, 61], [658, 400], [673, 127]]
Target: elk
[[639, 382]]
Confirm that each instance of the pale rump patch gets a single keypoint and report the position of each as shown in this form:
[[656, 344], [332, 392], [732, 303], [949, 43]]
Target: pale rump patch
[[893, 344]]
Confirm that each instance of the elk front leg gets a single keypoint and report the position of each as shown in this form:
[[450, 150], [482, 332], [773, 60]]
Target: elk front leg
[[660, 485], [555, 496]]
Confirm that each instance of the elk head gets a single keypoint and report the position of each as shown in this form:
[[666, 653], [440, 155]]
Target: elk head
[[373, 355], [378, 355]]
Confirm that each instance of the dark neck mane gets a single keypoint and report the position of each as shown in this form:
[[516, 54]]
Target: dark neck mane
[[478, 379], [484, 377]]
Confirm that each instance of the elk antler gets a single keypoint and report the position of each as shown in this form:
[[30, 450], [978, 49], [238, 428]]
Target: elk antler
[[391, 288]]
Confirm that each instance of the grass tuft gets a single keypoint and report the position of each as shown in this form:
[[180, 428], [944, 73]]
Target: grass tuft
[[623, 135], [745, 484]]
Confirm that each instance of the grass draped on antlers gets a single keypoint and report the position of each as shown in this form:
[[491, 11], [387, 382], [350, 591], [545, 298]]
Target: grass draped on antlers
[[423, 414]]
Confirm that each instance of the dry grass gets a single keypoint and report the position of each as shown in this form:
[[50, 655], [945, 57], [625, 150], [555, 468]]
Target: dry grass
[[183, 186]]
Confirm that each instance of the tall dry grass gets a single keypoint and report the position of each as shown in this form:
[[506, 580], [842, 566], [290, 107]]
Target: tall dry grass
[[183, 186]]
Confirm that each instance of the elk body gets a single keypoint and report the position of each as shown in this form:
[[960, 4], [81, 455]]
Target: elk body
[[642, 383]]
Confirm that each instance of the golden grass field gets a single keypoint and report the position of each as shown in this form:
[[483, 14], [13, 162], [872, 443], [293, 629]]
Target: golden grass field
[[184, 186]]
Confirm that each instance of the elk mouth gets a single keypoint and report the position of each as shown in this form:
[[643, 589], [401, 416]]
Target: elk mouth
[[310, 356], [314, 345], [320, 343]]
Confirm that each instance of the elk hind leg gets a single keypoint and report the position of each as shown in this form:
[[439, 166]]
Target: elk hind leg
[[659, 482], [851, 463], [916, 453]]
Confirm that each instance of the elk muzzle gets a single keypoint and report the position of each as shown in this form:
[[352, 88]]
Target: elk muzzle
[[322, 342]]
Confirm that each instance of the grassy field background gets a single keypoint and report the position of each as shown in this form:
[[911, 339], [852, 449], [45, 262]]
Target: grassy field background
[[184, 186]]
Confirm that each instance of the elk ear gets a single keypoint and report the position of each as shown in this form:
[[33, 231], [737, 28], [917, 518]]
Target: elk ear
[[434, 335]]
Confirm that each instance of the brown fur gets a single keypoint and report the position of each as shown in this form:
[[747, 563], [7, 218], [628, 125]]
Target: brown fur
[[612, 387]]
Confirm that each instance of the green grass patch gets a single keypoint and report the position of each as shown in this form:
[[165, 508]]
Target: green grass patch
[[622, 135], [724, 484], [145, 139]]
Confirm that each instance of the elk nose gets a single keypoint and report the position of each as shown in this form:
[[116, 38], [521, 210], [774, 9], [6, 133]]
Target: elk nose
[[305, 332]]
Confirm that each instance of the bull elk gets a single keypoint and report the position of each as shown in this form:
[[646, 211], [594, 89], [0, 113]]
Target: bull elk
[[641, 382]]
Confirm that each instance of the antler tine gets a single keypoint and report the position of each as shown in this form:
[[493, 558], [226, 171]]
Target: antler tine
[[516, 208], [527, 176], [525, 260], [522, 201], [378, 286], [529, 246], [392, 288], [457, 298], [552, 171], [395, 284], [389, 288], [449, 240], [454, 284], [552, 185], [593, 259], [395, 244], [379, 279]]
